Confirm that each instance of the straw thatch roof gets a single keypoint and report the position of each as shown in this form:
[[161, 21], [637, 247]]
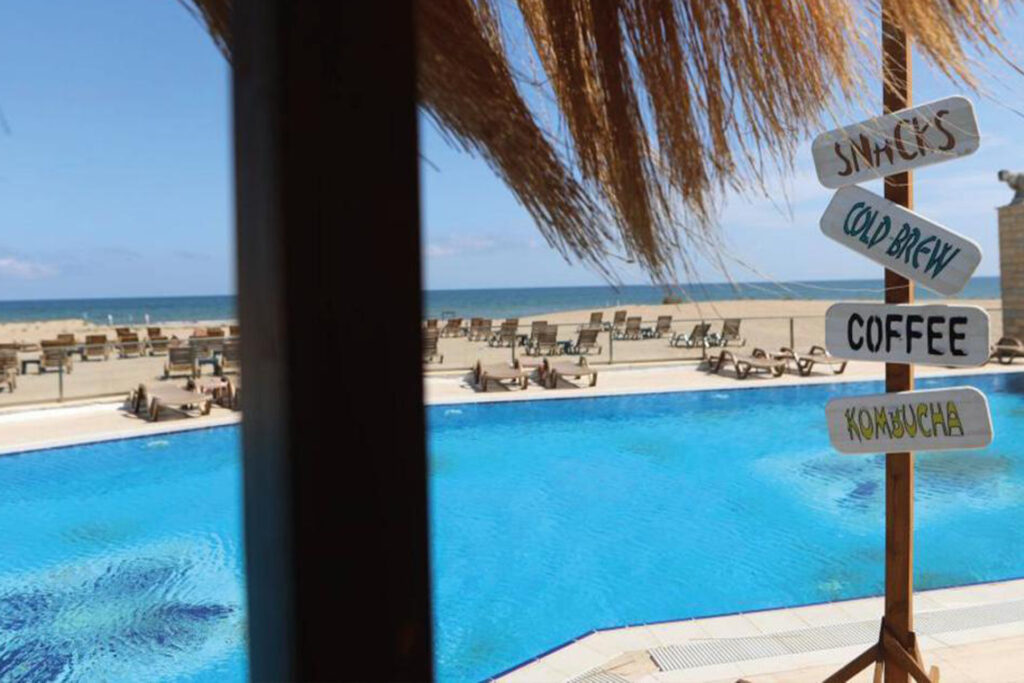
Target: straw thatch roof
[[620, 123]]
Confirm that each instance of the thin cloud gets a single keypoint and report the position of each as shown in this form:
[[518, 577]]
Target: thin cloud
[[24, 270]]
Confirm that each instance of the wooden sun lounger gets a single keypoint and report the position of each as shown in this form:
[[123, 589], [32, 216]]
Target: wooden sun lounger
[[9, 368], [230, 359], [499, 372], [743, 365], [156, 397], [96, 347], [697, 337], [817, 355], [181, 360], [556, 370], [1006, 349]]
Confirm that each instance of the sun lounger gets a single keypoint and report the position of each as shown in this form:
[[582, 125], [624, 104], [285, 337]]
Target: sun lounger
[[54, 356], [696, 337], [235, 331], [153, 332], [230, 359], [586, 341], [122, 331], [817, 355], [158, 345], [632, 330], [214, 331], [9, 369], [480, 329], [430, 352], [156, 397], [557, 369], [544, 342], [235, 393], [661, 328], [743, 365], [595, 320], [499, 372], [618, 321], [506, 334], [96, 347], [181, 360], [129, 346], [1006, 349], [730, 333], [452, 328]]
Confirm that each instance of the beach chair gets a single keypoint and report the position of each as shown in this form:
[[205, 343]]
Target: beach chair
[[535, 329], [662, 327], [554, 371], [67, 339], [235, 331], [153, 398], [595, 320], [586, 341], [214, 331], [235, 393], [230, 359], [632, 330], [158, 345], [9, 369], [817, 355], [54, 356], [452, 328], [153, 332], [730, 333], [618, 321], [1006, 349], [506, 334], [483, 375], [696, 337], [743, 365], [181, 360], [544, 342], [480, 329], [129, 346], [96, 347], [122, 331], [431, 323], [430, 352]]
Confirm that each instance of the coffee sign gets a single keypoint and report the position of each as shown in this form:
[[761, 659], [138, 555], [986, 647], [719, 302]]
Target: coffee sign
[[910, 138], [893, 333], [901, 240], [932, 420]]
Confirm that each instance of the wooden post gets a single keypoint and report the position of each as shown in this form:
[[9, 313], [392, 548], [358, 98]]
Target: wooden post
[[899, 467]]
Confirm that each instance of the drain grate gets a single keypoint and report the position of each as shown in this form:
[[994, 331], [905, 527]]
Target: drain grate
[[723, 650], [598, 675]]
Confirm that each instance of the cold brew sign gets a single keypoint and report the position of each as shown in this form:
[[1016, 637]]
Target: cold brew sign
[[910, 138], [934, 335], [901, 240], [933, 420]]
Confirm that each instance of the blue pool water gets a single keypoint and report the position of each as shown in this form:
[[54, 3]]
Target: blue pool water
[[122, 561], [552, 518]]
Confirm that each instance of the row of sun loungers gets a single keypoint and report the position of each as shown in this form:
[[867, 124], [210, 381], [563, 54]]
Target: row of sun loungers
[[775, 364], [548, 371], [196, 398]]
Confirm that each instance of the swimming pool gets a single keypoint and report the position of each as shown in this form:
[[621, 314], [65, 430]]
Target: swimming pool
[[123, 561], [553, 518]]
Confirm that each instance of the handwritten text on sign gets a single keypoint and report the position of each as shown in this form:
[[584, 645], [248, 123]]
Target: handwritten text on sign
[[910, 138], [900, 240], [937, 419], [935, 335]]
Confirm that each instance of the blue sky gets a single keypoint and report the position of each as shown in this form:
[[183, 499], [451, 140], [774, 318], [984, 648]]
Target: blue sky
[[115, 172]]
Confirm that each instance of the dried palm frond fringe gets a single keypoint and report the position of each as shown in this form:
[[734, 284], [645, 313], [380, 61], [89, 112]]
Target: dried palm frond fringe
[[664, 104]]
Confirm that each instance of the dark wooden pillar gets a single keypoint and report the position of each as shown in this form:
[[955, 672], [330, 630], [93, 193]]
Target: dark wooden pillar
[[329, 296]]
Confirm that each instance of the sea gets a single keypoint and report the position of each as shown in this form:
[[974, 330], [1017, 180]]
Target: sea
[[487, 303]]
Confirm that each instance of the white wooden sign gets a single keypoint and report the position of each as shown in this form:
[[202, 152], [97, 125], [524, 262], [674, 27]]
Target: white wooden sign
[[908, 333], [931, 420], [901, 240], [910, 138]]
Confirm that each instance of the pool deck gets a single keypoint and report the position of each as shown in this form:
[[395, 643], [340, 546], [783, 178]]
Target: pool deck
[[972, 633]]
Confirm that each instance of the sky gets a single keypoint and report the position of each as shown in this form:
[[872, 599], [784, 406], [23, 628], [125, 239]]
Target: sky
[[116, 178]]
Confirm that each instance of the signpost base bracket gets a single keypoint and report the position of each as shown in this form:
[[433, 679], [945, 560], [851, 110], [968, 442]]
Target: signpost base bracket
[[891, 651]]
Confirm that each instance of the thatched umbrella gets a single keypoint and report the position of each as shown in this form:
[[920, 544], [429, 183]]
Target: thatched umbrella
[[664, 104]]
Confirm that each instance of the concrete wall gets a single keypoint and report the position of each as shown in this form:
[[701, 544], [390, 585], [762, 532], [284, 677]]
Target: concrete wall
[[1011, 268]]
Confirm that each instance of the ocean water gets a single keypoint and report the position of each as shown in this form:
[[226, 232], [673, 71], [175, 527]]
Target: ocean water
[[123, 562], [123, 311], [553, 518], [503, 303]]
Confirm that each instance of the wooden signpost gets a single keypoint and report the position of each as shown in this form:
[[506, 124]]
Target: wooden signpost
[[933, 420], [901, 240], [905, 139], [934, 334]]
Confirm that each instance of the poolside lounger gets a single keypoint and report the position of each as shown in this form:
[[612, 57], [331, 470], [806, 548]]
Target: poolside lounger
[[158, 345], [181, 360], [96, 347], [696, 337], [661, 328], [618, 321], [155, 397], [1006, 349], [632, 330], [730, 333], [556, 370], [817, 355], [130, 346], [230, 359], [9, 369], [586, 341], [480, 329], [544, 342], [506, 334], [430, 352], [743, 365], [153, 332], [214, 331], [499, 372], [595, 320], [54, 356], [67, 339], [452, 328], [122, 331]]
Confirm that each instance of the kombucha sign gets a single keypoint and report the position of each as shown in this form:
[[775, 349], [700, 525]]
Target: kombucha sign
[[901, 240], [893, 333], [910, 138], [932, 420]]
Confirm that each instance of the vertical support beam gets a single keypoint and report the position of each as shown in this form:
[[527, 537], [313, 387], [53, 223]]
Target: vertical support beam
[[327, 208], [899, 467]]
